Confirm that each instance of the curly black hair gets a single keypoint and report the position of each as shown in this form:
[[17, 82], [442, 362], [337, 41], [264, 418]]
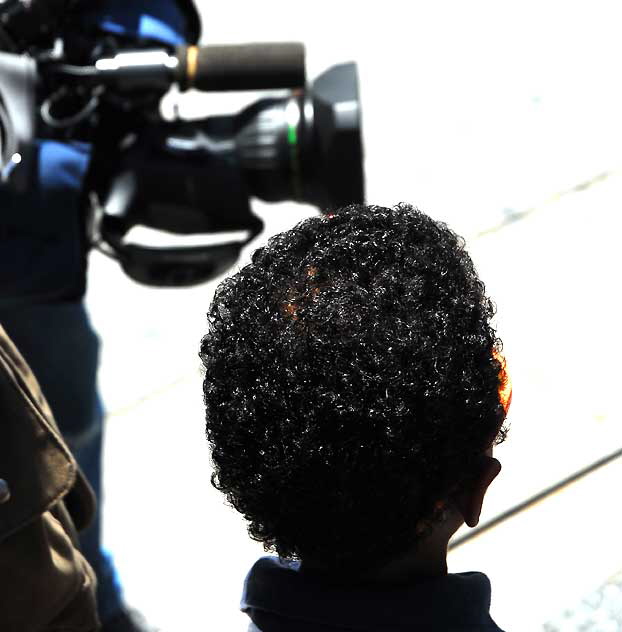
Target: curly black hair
[[351, 382]]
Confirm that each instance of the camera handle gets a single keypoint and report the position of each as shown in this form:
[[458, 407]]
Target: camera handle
[[265, 66]]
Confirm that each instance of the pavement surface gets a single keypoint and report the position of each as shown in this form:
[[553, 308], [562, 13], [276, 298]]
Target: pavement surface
[[502, 120], [600, 611]]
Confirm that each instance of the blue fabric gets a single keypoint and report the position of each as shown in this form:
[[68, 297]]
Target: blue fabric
[[163, 20], [279, 597], [62, 165], [41, 255]]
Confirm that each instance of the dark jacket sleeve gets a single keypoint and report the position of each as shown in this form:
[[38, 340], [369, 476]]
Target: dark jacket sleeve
[[45, 583]]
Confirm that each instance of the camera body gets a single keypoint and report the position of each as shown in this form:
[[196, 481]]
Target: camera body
[[99, 87]]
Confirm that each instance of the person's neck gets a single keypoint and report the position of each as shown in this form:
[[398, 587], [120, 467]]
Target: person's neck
[[426, 561]]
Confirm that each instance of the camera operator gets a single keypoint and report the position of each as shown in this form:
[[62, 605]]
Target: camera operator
[[43, 279], [102, 161]]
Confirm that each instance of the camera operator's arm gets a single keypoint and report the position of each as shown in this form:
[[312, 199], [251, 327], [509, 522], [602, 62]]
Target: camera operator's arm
[[46, 583]]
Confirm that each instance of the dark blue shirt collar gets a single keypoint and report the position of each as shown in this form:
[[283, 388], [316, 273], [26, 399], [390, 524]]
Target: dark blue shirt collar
[[277, 596]]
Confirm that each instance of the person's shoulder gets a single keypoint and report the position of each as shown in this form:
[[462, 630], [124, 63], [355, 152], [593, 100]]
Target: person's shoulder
[[38, 467], [38, 540], [474, 588]]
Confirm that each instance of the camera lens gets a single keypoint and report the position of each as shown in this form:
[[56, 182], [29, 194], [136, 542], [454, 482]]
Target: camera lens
[[305, 147]]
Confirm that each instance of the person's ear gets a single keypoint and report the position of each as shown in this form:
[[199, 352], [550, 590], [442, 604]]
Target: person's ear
[[469, 502]]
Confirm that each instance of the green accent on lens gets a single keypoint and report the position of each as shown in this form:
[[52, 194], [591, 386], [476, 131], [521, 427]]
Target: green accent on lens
[[292, 135]]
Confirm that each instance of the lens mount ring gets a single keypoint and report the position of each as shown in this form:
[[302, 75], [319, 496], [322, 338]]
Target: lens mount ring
[[293, 117]]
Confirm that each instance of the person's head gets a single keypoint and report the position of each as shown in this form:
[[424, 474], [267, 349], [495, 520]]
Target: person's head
[[352, 387]]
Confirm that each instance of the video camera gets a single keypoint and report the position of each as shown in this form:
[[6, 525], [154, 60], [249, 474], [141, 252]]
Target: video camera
[[61, 80]]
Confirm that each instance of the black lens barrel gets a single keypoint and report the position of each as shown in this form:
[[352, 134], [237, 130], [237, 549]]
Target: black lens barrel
[[306, 147]]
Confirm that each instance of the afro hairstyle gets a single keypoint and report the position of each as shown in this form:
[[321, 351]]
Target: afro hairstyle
[[351, 382]]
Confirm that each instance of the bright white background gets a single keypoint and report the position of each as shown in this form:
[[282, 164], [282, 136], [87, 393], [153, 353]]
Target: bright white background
[[475, 112]]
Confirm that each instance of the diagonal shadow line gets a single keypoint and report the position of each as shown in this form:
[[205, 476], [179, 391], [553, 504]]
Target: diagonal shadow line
[[516, 216]]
